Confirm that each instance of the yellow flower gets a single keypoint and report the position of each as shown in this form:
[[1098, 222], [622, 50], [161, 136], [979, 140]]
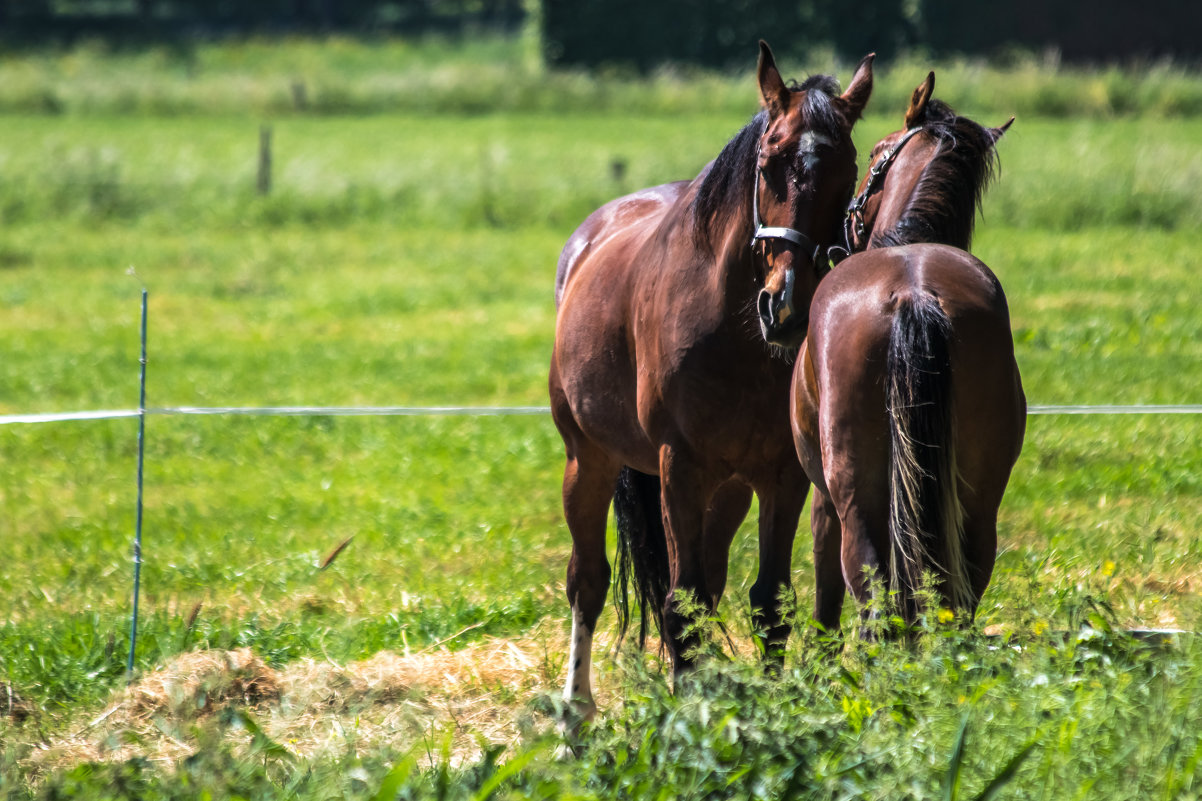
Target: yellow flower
[[945, 616], [1108, 568], [1040, 627]]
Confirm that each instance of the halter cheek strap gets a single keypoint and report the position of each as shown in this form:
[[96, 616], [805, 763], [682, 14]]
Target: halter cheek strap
[[799, 239], [855, 209]]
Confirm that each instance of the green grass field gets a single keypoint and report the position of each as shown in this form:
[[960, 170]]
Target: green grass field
[[406, 257]]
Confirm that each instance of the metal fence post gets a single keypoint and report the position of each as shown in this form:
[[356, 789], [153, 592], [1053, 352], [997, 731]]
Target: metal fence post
[[133, 623]]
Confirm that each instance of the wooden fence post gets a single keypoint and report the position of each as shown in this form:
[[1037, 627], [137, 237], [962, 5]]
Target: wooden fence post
[[264, 183]]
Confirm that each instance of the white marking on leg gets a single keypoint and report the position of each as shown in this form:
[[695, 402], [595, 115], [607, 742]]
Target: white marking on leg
[[578, 689]]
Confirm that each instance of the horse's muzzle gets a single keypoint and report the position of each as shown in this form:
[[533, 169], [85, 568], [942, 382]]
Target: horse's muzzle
[[779, 321]]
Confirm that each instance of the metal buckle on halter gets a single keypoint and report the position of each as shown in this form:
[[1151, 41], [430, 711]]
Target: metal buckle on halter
[[836, 254]]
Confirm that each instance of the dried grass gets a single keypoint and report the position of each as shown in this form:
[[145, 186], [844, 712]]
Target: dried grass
[[200, 683], [392, 700]]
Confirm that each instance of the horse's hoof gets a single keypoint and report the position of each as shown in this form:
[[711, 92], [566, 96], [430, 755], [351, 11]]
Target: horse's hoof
[[566, 753], [576, 716]]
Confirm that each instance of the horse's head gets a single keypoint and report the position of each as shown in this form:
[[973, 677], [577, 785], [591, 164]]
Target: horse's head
[[924, 182], [805, 172]]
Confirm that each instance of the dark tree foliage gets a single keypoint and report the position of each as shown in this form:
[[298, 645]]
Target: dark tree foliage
[[1099, 31], [30, 22], [644, 34]]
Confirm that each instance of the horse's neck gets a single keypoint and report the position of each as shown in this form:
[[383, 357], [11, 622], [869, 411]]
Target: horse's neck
[[704, 283], [908, 216], [720, 255], [727, 261], [943, 199]]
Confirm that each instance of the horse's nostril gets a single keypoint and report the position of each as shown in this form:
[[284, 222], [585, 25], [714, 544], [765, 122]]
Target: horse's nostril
[[774, 309], [765, 307]]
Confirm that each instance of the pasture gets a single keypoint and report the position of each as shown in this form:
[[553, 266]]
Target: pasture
[[407, 258]]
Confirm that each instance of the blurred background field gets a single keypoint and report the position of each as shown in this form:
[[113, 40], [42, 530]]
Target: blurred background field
[[405, 255], [340, 75]]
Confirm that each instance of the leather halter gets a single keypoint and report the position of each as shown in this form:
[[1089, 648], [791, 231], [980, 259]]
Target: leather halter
[[807, 245], [855, 209]]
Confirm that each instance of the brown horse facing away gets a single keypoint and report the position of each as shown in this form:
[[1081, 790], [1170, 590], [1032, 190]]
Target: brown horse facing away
[[907, 408], [661, 381]]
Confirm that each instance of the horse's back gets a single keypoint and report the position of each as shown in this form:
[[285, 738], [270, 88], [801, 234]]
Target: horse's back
[[621, 222]]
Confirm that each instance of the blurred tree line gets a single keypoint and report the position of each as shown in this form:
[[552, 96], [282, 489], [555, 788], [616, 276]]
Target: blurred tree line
[[643, 34], [41, 21], [722, 32]]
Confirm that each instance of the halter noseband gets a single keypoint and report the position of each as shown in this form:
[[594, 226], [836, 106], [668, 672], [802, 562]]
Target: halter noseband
[[855, 209]]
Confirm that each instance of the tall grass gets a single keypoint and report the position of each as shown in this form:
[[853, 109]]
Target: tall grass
[[489, 74], [512, 171]]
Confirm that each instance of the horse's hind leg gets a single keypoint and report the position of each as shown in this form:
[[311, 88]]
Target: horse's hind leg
[[589, 479], [865, 545], [980, 549], [829, 586], [780, 511]]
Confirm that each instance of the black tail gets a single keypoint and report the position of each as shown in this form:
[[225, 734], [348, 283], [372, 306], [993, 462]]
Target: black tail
[[642, 551], [926, 518]]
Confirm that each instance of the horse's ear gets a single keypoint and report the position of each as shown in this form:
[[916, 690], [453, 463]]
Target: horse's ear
[[917, 112], [774, 95], [860, 89], [996, 133]]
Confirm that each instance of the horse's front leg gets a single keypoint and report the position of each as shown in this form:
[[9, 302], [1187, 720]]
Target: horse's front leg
[[727, 509], [588, 486], [686, 492], [772, 593]]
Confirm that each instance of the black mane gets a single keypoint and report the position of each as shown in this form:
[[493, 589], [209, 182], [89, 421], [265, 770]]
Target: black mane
[[948, 195], [728, 186]]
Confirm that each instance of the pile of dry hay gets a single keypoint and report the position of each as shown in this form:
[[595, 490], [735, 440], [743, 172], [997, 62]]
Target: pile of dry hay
[[391, 700]]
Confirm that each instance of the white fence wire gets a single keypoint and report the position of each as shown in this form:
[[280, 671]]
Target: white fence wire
[[383, 411], [479, 411]]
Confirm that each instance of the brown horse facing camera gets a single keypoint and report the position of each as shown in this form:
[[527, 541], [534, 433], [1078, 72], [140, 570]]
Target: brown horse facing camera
[[661, 383], [907, 408]]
